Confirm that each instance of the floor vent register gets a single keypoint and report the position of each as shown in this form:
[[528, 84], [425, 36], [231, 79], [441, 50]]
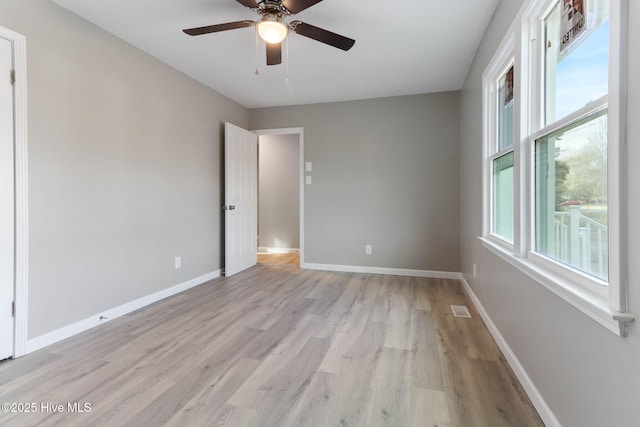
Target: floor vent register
[[460, 311]]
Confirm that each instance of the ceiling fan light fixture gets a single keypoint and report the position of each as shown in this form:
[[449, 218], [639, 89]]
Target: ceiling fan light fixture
[[272, 30]]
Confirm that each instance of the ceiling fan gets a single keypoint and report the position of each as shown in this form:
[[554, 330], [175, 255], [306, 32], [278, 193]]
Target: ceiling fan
[[273, 29]]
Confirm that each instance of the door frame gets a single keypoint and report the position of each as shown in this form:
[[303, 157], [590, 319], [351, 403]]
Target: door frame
[[21, 218], [300, 132]]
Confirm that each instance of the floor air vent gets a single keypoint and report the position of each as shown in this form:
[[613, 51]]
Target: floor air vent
[[460, 311]]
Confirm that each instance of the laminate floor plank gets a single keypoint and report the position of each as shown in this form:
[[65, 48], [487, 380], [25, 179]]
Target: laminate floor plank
[[310, 326], [272, 337], [323, 303], [390, 403], [353, 317], [317, 403], [424, 360], [279, 346], [350, 327], [51, 380], [357, 372], [399, 331], [286, 386], [211, 399], [421, 300], [288, 293], [382, 305], [260, 317], [515, 403], [188, 383], [286, 259], [428, 408], [231, 416]]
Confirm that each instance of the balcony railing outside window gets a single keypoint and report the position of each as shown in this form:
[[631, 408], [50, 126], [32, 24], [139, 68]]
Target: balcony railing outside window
[[581, 242]]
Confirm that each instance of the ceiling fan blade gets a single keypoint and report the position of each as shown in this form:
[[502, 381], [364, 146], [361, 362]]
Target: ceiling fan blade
[[219, 27], [297, 6], [321, 35], [274, 53], [251, 4]]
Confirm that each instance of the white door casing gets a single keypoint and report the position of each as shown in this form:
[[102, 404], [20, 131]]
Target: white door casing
[[7, 198], [301, 172], [241, 199]]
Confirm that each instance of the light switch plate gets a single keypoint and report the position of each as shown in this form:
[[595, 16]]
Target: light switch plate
[[307, 180], [307, 166]]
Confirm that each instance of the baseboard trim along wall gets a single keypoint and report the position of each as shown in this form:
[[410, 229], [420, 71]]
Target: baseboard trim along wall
[[541, 406], [278, 250], [382, 270], [113, 313]]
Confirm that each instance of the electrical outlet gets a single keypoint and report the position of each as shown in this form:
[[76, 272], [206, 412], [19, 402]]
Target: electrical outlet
[[178, 262], [307, 180], [368, 249]]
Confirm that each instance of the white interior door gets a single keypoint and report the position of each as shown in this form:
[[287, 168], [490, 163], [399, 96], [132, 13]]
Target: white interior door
[[6, 201], [241, 199]]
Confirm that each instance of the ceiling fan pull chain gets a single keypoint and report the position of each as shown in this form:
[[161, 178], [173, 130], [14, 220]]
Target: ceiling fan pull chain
[[286, 42], [257, 72]]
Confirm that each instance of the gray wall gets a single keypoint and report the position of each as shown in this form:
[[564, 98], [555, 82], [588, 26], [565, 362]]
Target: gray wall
[[587, 375], [279, 191], [385, 173], [124, 168]]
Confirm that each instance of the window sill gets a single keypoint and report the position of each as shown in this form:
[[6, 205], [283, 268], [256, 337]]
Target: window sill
[[594, 306]]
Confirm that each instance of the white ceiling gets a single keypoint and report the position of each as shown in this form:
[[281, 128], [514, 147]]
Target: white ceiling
[[402, 47]]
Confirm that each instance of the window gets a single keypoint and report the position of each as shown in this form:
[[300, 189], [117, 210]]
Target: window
[[553, 118], [503, 196], [499, 138], [571, 195], [570, 173], [502, 165], [576, 63]]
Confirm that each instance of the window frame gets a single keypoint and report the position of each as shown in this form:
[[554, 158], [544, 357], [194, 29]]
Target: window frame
[[503, 60], [605, 302]]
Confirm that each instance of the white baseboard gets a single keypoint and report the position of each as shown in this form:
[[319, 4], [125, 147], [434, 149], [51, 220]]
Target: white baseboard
[[113, 313], [382, 270], [278, 250], [538, 401]]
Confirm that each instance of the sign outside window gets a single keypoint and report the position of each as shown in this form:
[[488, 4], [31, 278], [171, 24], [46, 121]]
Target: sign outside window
[[573, 22], [508, 87]]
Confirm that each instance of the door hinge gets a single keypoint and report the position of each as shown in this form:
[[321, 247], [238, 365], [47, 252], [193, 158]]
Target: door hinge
[[13, 77], [13, 309]]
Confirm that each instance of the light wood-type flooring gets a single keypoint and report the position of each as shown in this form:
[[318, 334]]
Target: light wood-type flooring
[[279, 346], [291, 259]]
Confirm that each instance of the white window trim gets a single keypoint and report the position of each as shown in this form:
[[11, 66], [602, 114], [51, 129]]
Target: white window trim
[[607, 305], [617, 154]]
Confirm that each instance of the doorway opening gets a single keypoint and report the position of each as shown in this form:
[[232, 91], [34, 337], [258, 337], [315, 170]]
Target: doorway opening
[[280, 196]]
